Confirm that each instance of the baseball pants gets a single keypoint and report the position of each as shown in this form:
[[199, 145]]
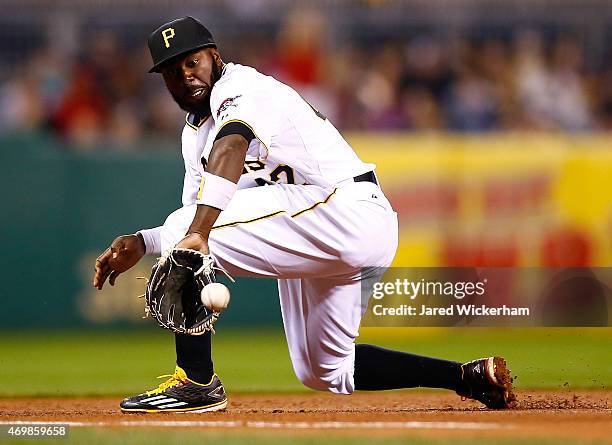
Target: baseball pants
[[316, 242]]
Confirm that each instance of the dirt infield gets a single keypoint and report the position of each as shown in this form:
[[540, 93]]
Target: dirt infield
[[581, 415]]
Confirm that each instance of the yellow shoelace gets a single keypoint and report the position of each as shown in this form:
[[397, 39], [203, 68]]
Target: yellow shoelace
[[174, 379]]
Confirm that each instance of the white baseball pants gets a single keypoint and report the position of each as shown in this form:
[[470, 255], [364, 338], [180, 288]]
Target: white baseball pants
[[315, 241]]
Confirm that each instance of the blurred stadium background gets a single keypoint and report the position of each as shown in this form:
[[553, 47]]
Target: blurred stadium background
[[489, 122]]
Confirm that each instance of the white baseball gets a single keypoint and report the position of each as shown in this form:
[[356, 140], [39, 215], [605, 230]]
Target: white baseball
[[215, 296]]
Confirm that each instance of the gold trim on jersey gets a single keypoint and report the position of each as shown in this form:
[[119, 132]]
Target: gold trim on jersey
[[315, 205], [250, 128], [278, 212], [195, 127], [199, 195]]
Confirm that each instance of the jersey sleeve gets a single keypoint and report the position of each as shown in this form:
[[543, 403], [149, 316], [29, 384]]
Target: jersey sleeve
[[152, 240], [192, 178], [237, 101], [191, 185]]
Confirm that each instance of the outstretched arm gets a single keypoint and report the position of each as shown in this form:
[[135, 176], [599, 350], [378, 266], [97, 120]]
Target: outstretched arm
[[226, 160]]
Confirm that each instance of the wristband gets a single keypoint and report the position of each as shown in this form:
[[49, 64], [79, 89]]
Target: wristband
[[216, 191]]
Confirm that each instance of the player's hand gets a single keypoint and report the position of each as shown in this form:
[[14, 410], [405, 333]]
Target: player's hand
[[122, 254], [194, 241]]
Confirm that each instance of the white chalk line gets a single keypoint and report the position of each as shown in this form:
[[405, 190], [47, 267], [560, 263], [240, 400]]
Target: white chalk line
[[412, 425]]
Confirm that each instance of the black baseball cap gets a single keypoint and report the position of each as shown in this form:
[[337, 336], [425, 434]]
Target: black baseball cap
[[177, 37]]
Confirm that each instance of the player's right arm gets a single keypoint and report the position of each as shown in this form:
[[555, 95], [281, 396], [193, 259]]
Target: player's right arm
[[126, 250]]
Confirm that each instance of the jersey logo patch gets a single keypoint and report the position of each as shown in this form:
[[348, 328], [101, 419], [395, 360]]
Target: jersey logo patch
[[229, 102]]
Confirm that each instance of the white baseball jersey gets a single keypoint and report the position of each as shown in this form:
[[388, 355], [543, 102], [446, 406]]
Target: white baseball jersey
[[294, 143], [310, 225]]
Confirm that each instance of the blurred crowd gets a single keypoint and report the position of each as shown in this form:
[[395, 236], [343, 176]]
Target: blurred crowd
[[101, 94]]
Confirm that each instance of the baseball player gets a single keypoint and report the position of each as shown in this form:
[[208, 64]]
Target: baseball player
[[272, 189]]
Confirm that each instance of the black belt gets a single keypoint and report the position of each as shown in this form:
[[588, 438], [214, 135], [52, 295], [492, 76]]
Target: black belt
[[366, 177]]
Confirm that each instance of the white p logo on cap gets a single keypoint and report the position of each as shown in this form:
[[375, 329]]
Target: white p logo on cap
[[167, 34]]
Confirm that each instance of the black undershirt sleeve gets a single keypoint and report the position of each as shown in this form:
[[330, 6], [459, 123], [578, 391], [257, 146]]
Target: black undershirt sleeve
[[236, 128]]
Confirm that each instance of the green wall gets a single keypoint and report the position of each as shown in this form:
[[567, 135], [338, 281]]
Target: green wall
[[61, 208]]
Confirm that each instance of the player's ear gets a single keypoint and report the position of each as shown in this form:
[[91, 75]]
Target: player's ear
[[214, 52]]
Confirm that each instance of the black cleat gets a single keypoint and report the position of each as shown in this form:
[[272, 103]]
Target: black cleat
[[178, 394], [488, 380]]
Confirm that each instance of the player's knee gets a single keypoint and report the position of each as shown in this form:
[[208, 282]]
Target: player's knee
[[308, 379], [337, 381]]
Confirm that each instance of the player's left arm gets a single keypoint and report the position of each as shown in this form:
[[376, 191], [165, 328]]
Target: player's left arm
[[224, 168]]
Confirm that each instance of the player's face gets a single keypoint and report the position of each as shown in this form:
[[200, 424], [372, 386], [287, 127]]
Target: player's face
[[190, 79]]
